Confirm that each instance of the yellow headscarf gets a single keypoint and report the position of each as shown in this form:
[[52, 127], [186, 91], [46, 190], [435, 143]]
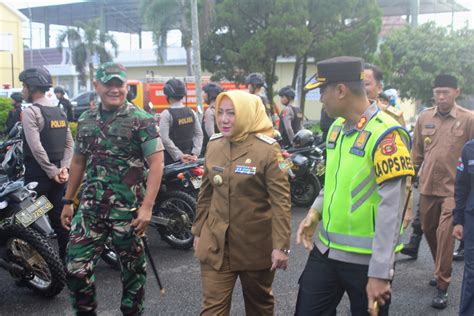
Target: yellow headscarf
[[250, 116]]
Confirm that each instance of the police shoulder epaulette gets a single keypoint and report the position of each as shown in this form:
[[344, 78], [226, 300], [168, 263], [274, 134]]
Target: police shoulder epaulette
[[215, 136], [394, 111], [265, 138]]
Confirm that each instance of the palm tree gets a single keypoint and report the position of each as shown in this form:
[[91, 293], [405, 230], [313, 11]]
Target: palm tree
[[162, 16], [86, 43]]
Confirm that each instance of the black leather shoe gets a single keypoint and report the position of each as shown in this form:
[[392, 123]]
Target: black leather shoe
[[433, 282], [458, 255], [411, 249], [440, 301]]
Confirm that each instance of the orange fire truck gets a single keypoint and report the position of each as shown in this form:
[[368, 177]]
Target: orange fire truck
[[150, 91]]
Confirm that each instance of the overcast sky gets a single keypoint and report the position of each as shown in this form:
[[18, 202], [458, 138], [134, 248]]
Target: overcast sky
[[130, 41]]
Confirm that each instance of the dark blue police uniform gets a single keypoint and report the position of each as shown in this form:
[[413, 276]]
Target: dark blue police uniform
[[463, 214]]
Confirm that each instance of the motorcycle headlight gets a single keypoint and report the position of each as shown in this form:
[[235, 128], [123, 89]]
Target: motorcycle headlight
[[32, 185]]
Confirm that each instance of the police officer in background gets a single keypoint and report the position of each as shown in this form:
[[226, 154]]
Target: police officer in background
[[15, 114], [64, 103], [180, 128], [361, 212], [255, 83], [291, 116], [47, 146], [210, 92]]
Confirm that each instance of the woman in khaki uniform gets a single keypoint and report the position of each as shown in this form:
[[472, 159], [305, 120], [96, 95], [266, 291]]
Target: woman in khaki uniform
[[242, 228]]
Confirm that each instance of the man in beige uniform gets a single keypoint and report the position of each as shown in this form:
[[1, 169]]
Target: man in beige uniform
[[440, 133], [373, 78]]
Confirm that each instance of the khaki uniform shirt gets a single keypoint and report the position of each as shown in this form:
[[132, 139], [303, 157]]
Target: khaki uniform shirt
[[33, 124], [438, 141], [393, 112], [244, 204]]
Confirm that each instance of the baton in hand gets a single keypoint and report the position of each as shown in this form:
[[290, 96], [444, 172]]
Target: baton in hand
[[153, 266]]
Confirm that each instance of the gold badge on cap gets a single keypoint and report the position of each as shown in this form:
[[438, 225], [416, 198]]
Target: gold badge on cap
[[217, 180], [428, 141]]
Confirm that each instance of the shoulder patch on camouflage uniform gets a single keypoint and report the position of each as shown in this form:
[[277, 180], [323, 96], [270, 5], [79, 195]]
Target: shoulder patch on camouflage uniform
[[394, 111], [265, 138], [216, 136]]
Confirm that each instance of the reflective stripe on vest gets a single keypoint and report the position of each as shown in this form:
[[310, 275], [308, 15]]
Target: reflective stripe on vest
[[355, 241], [351, 199]]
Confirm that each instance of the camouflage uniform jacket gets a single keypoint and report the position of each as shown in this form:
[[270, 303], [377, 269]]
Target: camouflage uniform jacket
[[115, 150]]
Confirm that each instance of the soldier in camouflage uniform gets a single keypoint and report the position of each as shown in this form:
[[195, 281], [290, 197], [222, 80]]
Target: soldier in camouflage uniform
[[113, 142]]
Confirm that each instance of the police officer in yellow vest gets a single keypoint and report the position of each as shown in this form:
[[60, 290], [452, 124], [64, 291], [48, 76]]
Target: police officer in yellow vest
[[357, 219]]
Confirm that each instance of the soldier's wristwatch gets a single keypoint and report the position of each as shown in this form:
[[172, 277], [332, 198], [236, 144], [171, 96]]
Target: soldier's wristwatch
[[66, 201], [285, 251]]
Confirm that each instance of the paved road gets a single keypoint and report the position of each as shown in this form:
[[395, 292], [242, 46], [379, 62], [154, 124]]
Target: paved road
[[180, 274]]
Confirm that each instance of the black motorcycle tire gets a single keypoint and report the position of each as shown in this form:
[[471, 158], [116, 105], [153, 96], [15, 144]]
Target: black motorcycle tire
[[184, 240], [311, 188], [51, 258]]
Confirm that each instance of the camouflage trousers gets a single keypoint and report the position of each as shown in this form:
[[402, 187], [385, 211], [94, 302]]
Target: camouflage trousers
[[91, 227]]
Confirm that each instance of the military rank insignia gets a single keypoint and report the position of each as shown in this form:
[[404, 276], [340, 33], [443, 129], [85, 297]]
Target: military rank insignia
[[359, 145], [333, 137], [362, 122]]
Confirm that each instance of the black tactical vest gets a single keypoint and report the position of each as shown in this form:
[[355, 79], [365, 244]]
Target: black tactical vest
[[52, 137], [206, 136], [295, 124], [181, 130]]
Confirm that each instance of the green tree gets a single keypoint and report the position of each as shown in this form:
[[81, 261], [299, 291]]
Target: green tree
[[248, 36], [419, 54], [85, 41], [162, 16], [343, 27], [5, 107]]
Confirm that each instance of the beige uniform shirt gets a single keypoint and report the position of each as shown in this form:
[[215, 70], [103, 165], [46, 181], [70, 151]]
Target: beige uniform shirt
[[33, 124], [244, 204], [438, 142]]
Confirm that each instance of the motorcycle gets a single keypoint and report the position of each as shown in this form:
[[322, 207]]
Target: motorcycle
[[185, 177], [175, 206], [24, 231], [305, 163], [306, 174], [11, 154]]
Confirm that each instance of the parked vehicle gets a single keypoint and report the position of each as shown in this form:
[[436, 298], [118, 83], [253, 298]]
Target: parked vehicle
[[185, 177], [306, 167], [81, 103], [24, 233]]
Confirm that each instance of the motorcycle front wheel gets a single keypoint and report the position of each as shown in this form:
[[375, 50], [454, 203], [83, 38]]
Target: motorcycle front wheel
[[43, 270], [180, 209], [304, 190]]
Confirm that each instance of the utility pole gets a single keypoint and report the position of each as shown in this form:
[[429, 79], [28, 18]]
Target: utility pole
[[197, 57], [414, 12]]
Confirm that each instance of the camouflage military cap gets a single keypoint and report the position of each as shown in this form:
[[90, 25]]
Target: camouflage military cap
[[108, 71]]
